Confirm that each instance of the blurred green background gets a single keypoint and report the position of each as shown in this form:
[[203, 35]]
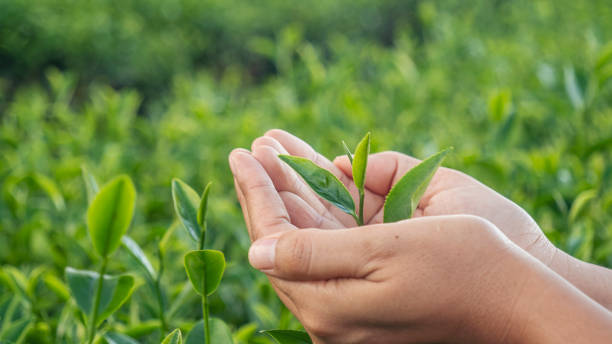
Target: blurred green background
[[160, 89]]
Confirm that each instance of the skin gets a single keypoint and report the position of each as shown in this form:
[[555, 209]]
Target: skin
[[481, 276]]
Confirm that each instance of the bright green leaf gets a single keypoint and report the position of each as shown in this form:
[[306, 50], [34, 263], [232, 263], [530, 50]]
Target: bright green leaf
[[115, 291], [205, 270], [360, 161], [404, 197], [219, 333], [91, 185], [323, 182], [110, 213], [186, 202], [118, 338], [57, 286], [175, 337], [136, 252], [289, 336], [245, 333]]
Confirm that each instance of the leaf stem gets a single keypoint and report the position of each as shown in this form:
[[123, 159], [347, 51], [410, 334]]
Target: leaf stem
[[361, 201], [94, 314], [160, 299], [205, 314]]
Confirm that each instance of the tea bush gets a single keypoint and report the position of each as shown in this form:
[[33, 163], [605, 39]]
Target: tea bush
[[521, 89]]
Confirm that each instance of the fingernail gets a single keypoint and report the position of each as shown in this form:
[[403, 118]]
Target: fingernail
[[262, 252]]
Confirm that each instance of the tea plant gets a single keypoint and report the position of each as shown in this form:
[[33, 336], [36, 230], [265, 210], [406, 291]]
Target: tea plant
[[97, 294], [401, 200], [204, 267]]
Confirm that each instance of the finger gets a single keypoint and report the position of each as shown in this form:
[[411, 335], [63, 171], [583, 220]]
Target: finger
[[295, 146], [314, 255], [304, 216], [245, 211], [266, 151], [265, 209]]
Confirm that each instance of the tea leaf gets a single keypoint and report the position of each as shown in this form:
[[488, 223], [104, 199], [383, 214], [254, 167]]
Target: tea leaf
[[404, 197], [91, 186], [348, 152], [205, 270], [115, 291], [16, 331], [289, 336], [175, 337], [138, 254], [219, 333], [323, 182], [118, 338], [51, 189], [186, 202], [201, 217], [110, 213], [361, 162]]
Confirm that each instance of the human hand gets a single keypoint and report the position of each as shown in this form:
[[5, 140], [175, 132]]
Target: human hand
[[433, 279], [450, 192]]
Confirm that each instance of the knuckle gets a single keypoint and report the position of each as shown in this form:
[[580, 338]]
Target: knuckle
[[295, 252]]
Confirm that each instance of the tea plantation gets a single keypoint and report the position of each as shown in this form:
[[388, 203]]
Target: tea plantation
[[161, 89]]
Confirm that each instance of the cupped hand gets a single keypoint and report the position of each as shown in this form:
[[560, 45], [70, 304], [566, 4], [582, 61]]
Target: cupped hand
[[450, 192], [431, 279]]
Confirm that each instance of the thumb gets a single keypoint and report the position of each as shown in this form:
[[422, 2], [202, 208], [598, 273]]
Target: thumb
[[314, 254]]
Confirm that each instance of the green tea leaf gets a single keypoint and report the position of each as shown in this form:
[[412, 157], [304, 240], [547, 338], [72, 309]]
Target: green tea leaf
[[243, 334], [186, 202], [118, 338], [115, 291], [323, 182], [91, 186], [175, 337], [404, 197], [203, 207], [205, 266], [361, 161], [138, 254], [110, 213], [51, 189], [348, 152], [57, 286], [219, 333], [289, 336]]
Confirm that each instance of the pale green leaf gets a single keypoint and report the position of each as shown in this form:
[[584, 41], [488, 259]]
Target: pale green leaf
[[110, 213], [404, 197], [118, 338], [201, 217], [360, 162]]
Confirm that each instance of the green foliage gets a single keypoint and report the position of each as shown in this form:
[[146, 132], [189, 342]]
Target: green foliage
[[323, 182], [157, 90], [361, 162], [289, 336], [205, 270], [175, 337], [405, 195], [115, 292], [118, 338], [110, 214], [219, 333], [187, 207]]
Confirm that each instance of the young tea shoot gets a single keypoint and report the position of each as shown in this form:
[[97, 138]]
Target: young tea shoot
[[401, 200], [204, 267], [108, 217]]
